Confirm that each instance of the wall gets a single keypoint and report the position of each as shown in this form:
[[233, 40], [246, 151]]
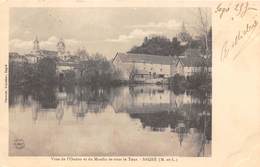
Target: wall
[[142, 68]]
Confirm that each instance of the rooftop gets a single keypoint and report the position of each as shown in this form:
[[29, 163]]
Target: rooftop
[[195, 61], [48, 52], [145, 58]]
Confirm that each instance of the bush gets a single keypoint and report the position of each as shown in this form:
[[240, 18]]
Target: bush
[[47, 71], [98, 71], [199, 81], [177, 83], [69, 78]]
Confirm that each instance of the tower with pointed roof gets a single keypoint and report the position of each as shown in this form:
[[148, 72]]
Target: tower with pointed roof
[[36, 46], [184, 37], [61, 48]]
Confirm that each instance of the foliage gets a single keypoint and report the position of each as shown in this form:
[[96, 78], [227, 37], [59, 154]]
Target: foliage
[[177, 83], [16, 74], [83, 54], [210, 40], [158, 45], [46, 71], [161, 45], [69, 77], [22, 74], [32, 75], [98, 71], [199, 81], [46, 96]]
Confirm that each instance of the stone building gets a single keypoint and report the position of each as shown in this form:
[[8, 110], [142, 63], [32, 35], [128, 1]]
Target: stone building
[[144, 68]]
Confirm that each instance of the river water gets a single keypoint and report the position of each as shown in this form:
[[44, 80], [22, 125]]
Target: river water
[[143, 120]]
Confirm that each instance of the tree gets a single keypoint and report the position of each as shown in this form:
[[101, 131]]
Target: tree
[[176, 48], [97, 71], [83, 54], [203, 26], [209, 38], [184, 36], [47, 71], [158, 45]]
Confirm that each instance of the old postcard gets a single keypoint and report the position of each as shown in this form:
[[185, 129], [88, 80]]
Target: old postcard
[[130, 83]]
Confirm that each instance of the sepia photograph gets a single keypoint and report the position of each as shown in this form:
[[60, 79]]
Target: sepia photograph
[[110, 81]]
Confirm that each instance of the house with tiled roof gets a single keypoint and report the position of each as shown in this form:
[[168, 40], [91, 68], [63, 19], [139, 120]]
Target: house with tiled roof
[[189, 65], [143, 67]]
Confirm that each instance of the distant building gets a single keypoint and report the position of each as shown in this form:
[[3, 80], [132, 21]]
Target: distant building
[[32, 59], [15, 57], [36, 47], [61, 55], [189, 65], [184, 37], [37, 53], [61, 50], [144, 67]]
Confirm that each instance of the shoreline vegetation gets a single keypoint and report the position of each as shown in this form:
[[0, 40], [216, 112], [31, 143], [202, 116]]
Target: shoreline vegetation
[[97, 71]]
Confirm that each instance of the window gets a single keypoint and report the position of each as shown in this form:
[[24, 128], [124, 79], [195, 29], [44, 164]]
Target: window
[[161, 76]]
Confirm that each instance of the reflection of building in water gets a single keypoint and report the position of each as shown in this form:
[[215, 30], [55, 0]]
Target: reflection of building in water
[[143, 99], [45, 110], [79, 100], [151, 94], [157, 120], [80, 110], [158, 108], [60, 111], [89, 100], [206, 131], [151, 99], [48, 114], [181, 130]]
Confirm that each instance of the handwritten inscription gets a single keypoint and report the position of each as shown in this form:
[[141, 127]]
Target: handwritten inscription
[[240, 9], [228, 46], [231, 10]]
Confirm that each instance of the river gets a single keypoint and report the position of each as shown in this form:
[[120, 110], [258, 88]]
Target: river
[[141, 120]]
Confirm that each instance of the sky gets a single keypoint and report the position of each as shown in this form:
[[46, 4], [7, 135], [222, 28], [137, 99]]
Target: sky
[[103, 30]]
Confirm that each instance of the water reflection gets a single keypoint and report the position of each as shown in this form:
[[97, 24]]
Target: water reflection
[[184, 118]]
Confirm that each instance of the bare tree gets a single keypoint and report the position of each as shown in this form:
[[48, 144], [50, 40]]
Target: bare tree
[[203, 25]]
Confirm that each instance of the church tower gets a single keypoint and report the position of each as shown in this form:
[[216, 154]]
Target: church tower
[[61, 48], [36, 47], [184, 37]]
